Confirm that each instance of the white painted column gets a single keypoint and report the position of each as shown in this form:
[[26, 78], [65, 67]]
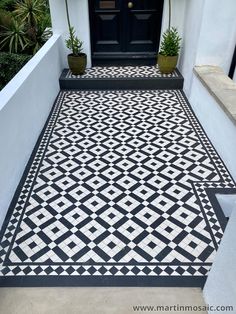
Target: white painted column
[[79, 15]]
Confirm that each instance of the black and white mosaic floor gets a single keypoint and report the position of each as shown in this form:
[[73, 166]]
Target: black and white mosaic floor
[[114, 72], [119, 191]]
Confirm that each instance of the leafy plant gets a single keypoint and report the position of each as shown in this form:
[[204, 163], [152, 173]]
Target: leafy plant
[[30, 12], [24, 28], [14, 37], [72, 43], [170, 45], [5, 19], [27, 28], [10, 64], [42, 35], [7, 5]]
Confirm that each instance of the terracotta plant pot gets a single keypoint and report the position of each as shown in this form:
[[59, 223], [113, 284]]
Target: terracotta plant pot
[[167, 64], [77, 64]]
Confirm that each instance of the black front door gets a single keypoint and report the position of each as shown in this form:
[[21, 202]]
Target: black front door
[[122, 29]]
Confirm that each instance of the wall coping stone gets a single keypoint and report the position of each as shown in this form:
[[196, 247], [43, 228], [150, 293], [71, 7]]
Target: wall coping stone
[[220, 86]]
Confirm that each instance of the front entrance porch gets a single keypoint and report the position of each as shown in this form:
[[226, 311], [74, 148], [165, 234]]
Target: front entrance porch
[[119, 191]]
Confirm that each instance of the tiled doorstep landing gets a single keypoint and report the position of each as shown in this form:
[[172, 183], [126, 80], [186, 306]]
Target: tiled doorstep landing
[[128, 77], [119, 191]]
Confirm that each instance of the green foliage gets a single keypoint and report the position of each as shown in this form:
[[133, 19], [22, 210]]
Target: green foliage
[[14, 37], [26, 29], [5, 19], [42, 35], [30, 11], [7, 5], [170, 45], [10, 64], [74, 43]]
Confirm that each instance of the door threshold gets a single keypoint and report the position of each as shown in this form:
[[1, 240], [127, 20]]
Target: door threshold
[[113, 59]]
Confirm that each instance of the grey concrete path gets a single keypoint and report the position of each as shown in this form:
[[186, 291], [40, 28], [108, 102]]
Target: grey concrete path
[[95, 300]]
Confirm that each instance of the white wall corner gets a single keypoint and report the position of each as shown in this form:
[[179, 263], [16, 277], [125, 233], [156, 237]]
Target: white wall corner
[[79, 15], [218, 33], [216, 123], [220, 288], [177, 17], [191, 34]]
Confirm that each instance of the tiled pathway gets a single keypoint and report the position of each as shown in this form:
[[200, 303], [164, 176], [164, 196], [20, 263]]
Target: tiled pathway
[[119, 192]]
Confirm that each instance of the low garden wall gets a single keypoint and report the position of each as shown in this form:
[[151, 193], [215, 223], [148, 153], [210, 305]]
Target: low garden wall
[[24, 106]]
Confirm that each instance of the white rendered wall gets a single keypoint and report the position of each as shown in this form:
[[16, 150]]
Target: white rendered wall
[[209, 36], [218, 34], [220, 288], [24, 107], [79, 16], [192, 27], [177, 17], [219, 128]]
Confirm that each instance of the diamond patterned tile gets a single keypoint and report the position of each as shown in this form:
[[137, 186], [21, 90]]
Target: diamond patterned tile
[[121, 72], [119, 188]]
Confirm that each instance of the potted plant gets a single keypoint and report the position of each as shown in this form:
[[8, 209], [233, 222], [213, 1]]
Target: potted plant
[[169, 51], [77, 60]]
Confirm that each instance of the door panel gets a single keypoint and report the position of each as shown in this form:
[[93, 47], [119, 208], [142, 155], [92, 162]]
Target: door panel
[[144, 25], [118, 28], [108, 34], [105, 24], [144, 39]]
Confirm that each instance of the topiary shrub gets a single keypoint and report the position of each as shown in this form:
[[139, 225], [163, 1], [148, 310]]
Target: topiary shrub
[[10, 64], [170, 44]]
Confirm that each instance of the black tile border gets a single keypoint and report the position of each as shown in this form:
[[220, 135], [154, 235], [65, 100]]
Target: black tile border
[[211, 192], [103, 281], [208, 139]]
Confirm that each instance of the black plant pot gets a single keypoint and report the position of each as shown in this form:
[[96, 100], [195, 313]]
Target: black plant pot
[[77, 64]]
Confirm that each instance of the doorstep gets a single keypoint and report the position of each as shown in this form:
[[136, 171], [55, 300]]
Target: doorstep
[[127, 77]]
